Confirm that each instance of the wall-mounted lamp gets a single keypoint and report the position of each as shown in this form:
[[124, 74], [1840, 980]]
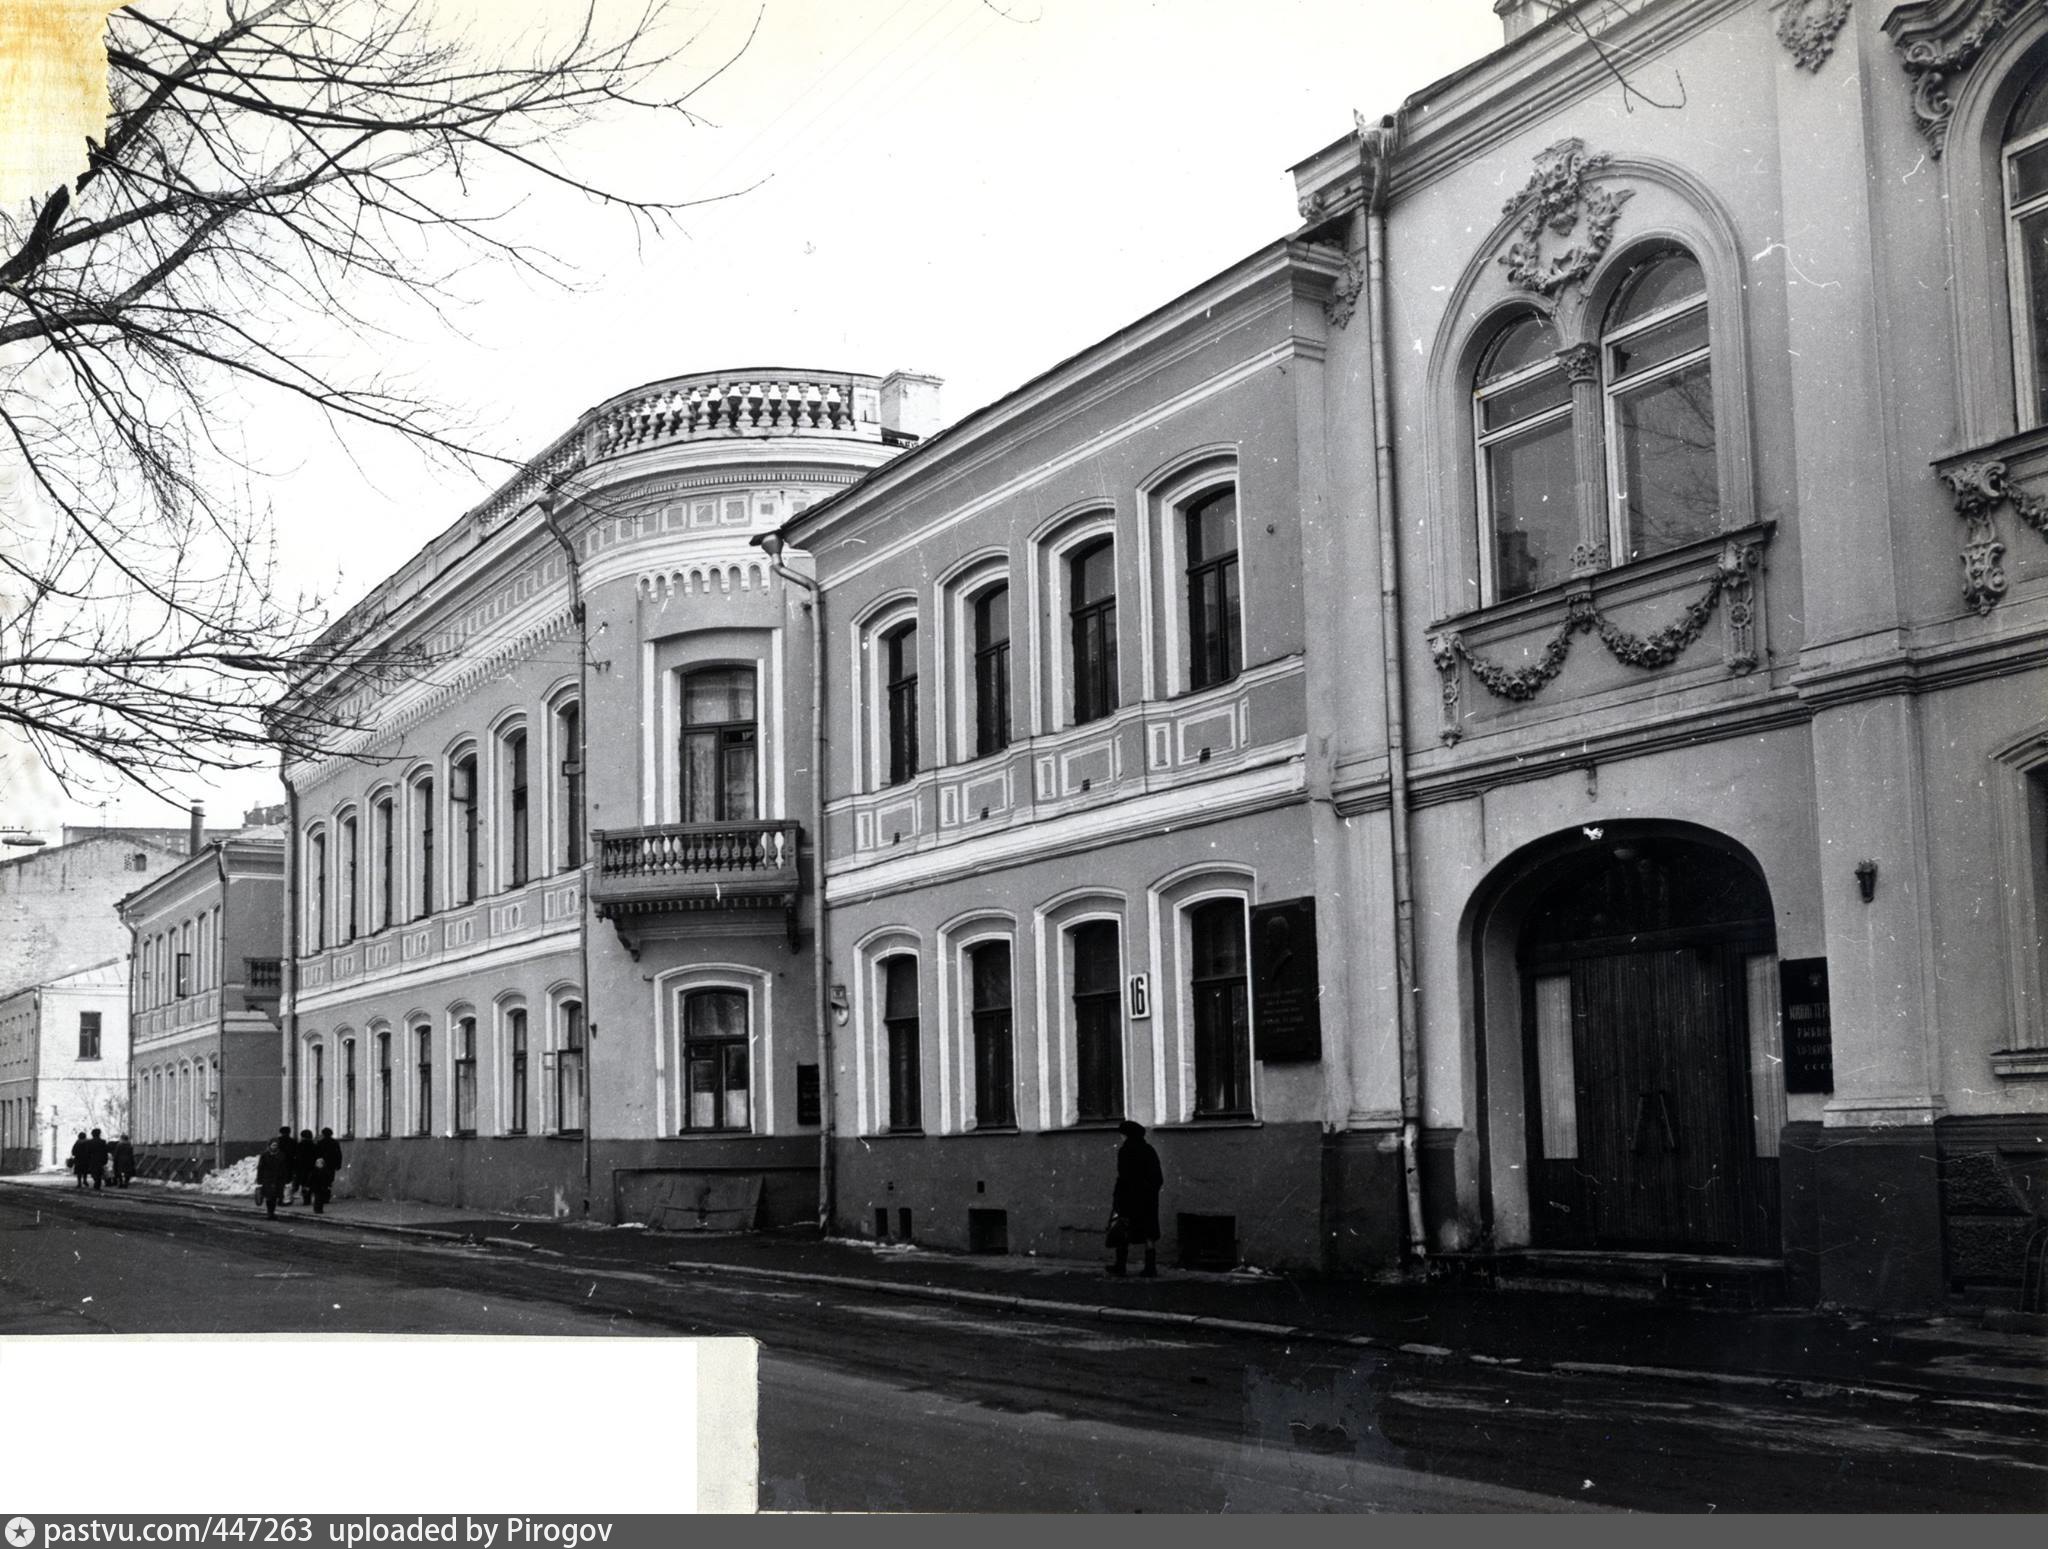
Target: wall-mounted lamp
[[1866, 879], [841, 1006]]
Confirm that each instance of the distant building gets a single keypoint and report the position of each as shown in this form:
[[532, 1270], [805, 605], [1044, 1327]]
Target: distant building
[[63, 1065], [206, 942], [57, 910], [526, 980]]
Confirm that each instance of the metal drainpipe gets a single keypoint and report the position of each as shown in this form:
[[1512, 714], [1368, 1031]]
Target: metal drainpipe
[[1376, 150], [582, 617], [771, 545], [289, 970]]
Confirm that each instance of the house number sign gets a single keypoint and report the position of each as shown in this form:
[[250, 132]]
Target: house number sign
[[1141, 997]]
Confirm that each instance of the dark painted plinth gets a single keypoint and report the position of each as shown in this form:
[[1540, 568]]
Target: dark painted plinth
[[1363, 1202], [1861, 1217]]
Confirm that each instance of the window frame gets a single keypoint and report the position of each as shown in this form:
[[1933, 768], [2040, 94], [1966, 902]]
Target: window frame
[[89, 1023], [1096, 926], [382, 1043], [423, 1079], [463, 1092], [348, 1088], [2029, 354], [727, 737], [1614, 387], [565, 723], [894, 1104], [315, 851], [567, 1017], [1484, 440], [744, 1042], [898, 676], [422, 789], [1102, 670], [515, 797], [385, 850], [1193, 984], [465, 859]]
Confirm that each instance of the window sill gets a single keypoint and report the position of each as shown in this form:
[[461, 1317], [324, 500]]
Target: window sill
[[1219, 1121], [895, 1134], [2021, 445], [2020, 1064], [987, 1129], [565, 1134], [710, 1134]]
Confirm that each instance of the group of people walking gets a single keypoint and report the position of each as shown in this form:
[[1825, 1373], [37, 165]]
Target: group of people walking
[[90, 1155], [305, 1167]]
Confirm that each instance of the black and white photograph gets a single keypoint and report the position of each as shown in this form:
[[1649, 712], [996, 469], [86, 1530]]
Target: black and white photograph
[[1023, 756]]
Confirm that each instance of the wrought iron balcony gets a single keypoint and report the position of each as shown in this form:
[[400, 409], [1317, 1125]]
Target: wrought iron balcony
[[691, 866]]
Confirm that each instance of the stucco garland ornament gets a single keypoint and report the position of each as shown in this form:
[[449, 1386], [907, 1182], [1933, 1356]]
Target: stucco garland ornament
[[1557, 198], [1929, 66], [1650, 652], [1809, 27]]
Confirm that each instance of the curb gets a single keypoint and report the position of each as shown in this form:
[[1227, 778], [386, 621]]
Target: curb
[[1787, 1385]]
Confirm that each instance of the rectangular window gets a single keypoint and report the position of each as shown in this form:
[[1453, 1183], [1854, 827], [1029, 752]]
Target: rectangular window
[[423, 1090], [569, 740], [992, 671], [351, 880], [1215, 636], [515, 779], [386, 842], [715, 1060], [348, 1089], [462, 793], [1222, 1007], [88, 1035], [720, 746], [316, 868], [318, 1084], [1091, 577], [899, 652], [1557, 1093], [515, 1040], [184, 978], [384, 1084], [465, 1076], [899, 1022], [569, 1071], [995, 1080], [1098, 1021]]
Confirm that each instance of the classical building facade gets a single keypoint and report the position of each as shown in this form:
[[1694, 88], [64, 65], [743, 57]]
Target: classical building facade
[[1698, 765], [57, 906], [205, 967], [550, 951], [63, 1064]]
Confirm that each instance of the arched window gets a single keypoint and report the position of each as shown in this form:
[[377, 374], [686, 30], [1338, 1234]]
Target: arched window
[[991, 610], [316, 888], [1522, 417], [348, 1089], [720, 746], [465, 1074], [351, 875], [899, 689], [715, 1084], [903, 1049], [1091, 619], [462, 800], [518, 808], [2025, 162], [423, 842], [517, 1082], [384, 1084], [1662, 464], [1221, 998], [569, 1084], [569, 793], [384, 839], [1215, 630], [1096, 975], [995, 1053], [423, 1080]]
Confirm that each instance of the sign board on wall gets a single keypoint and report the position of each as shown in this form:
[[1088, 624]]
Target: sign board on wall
[[1287, 1010], [1809, 1038]]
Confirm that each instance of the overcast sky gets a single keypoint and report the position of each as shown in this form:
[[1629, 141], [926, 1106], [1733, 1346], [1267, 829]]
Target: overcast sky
[[971, 188]]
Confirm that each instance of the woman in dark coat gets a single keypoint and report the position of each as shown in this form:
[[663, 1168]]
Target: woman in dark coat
[[1136, 1200], [302, 1166], [78, 1155], [326, 1163], [273, 1173]]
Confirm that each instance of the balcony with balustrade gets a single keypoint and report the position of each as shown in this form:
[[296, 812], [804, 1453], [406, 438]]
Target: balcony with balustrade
[[680, 869]]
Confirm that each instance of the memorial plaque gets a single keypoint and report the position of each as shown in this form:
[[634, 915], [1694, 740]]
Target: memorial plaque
[[1287, 1012], [1809, 1042]]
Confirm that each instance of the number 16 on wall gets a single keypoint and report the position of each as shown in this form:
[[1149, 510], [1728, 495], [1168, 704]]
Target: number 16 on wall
[[1141, 997]]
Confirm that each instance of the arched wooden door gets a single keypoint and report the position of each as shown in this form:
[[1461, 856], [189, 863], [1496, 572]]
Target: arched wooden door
[[1645, 966]]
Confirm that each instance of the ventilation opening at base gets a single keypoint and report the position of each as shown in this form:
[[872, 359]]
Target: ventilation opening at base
[[1207, 1242], [988, 1231]]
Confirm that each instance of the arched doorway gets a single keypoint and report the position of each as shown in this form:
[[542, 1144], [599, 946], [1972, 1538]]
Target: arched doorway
[[1648, 1036]]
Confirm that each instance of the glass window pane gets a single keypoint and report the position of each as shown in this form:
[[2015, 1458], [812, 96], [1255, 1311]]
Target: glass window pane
[[736, 1086], [1218, 930], [1670, 477], [1095, 958], [715, 1014], [1551, 390], [1557, 1084], [992, 617], [1664, 341], [721, 694], [1212, 528], [739, 777], [1094, 574], [1520, 345], [2033, 332], [700, 777], [703, 1074], [1531, 486], [899, 996], [2027, 173], [2031, 115], [1657, 283]]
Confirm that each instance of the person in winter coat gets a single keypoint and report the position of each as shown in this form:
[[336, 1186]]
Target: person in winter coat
[[1135, 1202], [326, 1163], [124, 1162], [288, 1148], [302, 1166], [78, 1152], [96, 1161], [273, 1172]]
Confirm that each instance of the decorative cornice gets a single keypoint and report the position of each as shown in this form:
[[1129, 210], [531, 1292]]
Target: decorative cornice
[[1809, 27], [1555, 199], [1941, 39]]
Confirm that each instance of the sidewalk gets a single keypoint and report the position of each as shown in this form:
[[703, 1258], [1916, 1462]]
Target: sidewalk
[[1815, 1353]]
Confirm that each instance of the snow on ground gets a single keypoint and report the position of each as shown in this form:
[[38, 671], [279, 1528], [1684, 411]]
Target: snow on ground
[[238, 1179]]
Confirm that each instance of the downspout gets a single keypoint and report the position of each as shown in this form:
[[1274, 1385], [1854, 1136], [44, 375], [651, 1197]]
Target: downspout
[[771, 545], [1376, 149], [290, 967], [220, 1015], [582, 617]]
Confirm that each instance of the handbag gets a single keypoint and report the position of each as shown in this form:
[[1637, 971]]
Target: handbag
[[1118, 1232]]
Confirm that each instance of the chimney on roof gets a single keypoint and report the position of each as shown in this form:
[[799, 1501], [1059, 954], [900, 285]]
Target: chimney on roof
[[198, 828], [910, 406], [1520, 16]]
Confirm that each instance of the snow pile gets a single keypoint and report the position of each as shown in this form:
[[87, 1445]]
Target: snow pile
[[238, 1179]]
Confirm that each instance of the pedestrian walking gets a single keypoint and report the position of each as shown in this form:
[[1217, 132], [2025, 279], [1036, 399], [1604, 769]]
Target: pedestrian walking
[[303, 1157], [273, 1172], [78, 1151], [326, 1164], [124, 1162], [288, 1148], [1134, 1205], [96, 1161]]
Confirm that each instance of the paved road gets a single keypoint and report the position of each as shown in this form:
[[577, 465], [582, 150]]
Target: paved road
[[876, 1402]]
